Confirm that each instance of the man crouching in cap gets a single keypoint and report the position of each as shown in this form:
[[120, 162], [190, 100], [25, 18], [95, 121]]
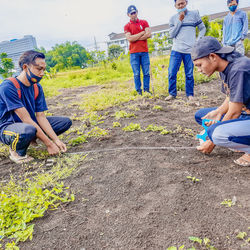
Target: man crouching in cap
[[137, 32], [233, 130]]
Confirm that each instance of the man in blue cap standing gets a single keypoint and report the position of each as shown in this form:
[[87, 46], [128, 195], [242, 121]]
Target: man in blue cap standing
[[183, 31], [235, 27], [137, 32]]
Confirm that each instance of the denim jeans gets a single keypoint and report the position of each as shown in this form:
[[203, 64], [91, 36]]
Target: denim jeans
[[19, 135], [174, 65], [138, 61], [231, 134]]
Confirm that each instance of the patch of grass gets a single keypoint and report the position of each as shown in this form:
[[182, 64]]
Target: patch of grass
[[132, 127], [93, 118], [123, 114], [193, 179], [157, 107], [24, 199], [116, 124], [154, 128], [95, 132], [228, 203]]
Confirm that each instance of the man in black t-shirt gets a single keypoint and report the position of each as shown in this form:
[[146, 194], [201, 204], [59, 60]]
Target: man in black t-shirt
[[233, 130]]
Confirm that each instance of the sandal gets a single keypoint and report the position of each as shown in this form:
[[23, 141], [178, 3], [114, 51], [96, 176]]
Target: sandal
[[19, 159], [242, 161]]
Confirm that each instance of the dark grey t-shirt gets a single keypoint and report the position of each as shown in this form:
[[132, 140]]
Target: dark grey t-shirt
[[236, 78]]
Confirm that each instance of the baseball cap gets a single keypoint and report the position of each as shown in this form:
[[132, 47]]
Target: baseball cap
[[207, 45], [131, 9]]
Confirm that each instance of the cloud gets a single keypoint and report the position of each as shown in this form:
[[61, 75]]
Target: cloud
[[55, 21]]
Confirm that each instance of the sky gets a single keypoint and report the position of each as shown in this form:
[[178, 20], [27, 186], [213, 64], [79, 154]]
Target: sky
[[57, 21]]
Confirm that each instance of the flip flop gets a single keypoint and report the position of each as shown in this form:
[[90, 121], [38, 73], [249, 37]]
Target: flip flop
[[242, 162], [20, 159]]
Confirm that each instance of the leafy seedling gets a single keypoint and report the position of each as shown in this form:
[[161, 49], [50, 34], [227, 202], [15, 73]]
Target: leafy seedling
[[193, 179]]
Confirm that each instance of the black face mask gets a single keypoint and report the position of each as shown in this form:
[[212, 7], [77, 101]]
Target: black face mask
[[32, 78]]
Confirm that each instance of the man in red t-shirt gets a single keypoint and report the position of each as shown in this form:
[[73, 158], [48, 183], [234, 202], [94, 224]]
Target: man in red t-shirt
[[137, 32]]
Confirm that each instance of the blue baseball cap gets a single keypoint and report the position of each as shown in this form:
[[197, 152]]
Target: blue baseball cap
[[131, 9], [207, 45]]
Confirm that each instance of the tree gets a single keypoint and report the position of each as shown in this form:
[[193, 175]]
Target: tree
[[215, 30], [114, 51], [65, 56], [7, 66], [96, 56]]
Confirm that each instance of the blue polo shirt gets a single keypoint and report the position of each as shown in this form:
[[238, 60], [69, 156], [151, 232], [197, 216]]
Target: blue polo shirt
[[9, 101], [236, 79]]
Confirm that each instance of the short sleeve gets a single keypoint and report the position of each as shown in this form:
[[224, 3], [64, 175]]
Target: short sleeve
[[236, 84], [10, 96], [126, 28], [145, 24], [40, 103]]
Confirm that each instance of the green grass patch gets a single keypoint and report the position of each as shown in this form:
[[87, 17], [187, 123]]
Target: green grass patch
[[24, 199], [132, 127], [123, 114]]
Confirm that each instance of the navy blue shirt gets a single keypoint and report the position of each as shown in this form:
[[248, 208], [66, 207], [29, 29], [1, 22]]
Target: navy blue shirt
[[236, 79], [10, 101]]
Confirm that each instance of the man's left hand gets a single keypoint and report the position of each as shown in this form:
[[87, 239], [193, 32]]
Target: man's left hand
[[60, 145], [206, 147]]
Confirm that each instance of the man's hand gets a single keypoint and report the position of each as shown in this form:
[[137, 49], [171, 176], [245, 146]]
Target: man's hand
[[182, 16], [214, 115], [206, 147], [53, 149], [60, 145]]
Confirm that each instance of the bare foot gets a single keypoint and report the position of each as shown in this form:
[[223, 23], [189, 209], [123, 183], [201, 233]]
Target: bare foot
[[14, 156]]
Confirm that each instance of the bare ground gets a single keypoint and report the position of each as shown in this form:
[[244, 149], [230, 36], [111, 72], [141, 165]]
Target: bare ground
[[141, 199]]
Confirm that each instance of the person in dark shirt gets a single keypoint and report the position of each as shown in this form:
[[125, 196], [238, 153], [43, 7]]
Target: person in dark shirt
[[233, 130], [22, 106]]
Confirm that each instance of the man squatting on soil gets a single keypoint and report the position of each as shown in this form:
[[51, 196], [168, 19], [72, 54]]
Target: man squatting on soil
[[234, 129], [183, 31], [235, 27], [137, 32], [22, 117]]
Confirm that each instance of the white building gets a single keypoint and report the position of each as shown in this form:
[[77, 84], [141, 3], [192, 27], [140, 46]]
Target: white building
[[15, 48]]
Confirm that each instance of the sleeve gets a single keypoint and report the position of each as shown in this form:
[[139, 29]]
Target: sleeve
[[10, 96], [223, 90], [245, 26], [126, 28], [145, 24], [201, 26], [174, 27], [223, 32], [40, 103], [236, 86]]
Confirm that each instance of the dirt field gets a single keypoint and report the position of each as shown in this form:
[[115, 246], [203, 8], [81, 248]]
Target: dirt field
[[142, 199]]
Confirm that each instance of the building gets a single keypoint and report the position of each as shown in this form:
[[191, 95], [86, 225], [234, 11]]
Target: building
[[15, 47], [120, 39]]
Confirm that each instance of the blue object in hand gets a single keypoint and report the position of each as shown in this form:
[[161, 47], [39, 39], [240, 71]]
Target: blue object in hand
[[204, 135]]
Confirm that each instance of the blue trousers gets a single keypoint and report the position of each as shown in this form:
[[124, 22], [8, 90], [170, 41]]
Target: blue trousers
[[19, 135], [231, 134], [138, 61], [174, 65]]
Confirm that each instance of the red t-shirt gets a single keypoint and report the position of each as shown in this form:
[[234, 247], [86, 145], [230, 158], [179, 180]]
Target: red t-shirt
[[134, 28]]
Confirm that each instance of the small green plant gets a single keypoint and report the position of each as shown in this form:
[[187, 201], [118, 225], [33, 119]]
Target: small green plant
[[134, 107], [243, 236], [193, 179], [154, 128], [166, 132], [157, 107], [92, 118], [116, 124], [132, 127], [123, 114], [228, 203], [79, 140]]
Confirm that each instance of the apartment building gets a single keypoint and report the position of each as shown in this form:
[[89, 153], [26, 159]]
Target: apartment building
[[15, 47]]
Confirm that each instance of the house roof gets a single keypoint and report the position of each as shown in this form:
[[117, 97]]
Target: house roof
[[114, 36]]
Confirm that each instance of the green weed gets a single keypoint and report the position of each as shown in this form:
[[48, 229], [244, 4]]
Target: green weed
[[116, 124], [23, 200], [157, 107], [132, 127], [228, 203], [123, 114], [193, 179], [154, 128]]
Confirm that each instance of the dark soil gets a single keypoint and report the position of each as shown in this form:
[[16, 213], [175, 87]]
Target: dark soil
[[141, 199]]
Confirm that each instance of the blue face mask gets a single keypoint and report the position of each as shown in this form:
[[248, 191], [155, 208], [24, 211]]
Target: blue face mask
[[181, 10], [233, 8], [32, 78]]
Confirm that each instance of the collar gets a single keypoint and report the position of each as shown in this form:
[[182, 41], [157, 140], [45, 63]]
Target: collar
[[137, 21]]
